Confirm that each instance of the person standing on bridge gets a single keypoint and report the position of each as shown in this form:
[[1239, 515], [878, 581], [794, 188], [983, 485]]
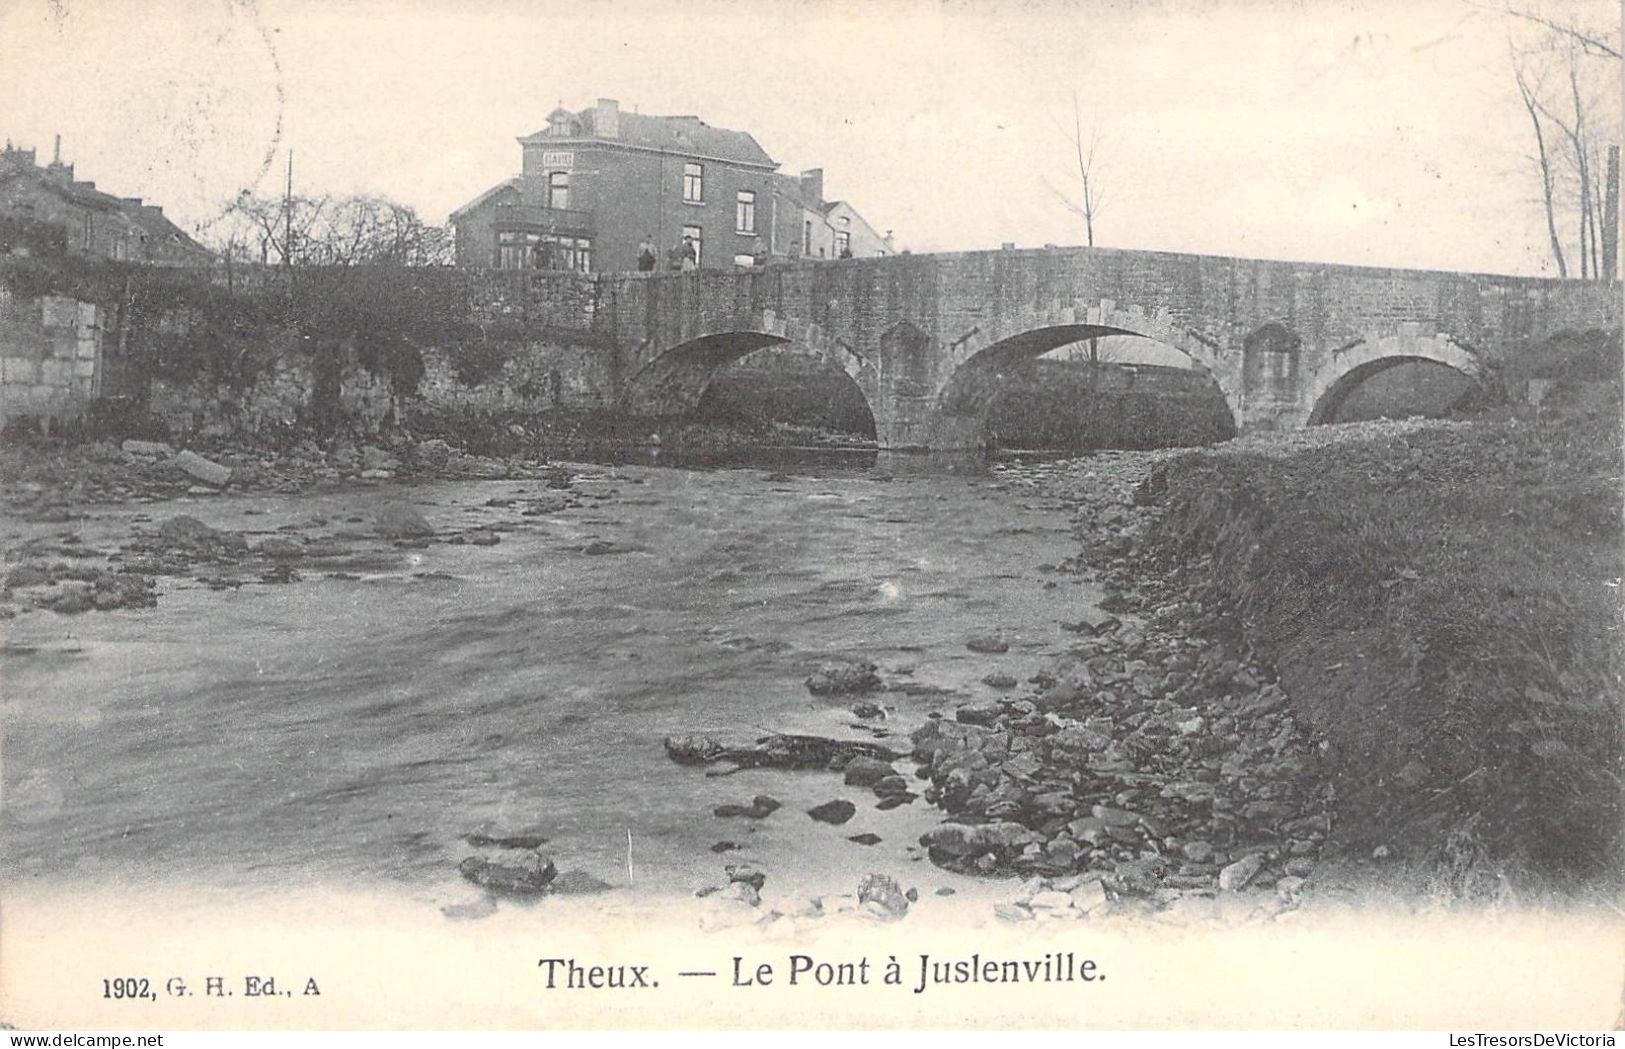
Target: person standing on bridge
[[646, 256]]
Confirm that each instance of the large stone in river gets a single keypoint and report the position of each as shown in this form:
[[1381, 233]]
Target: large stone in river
[[839, 678], [836, 812], [866, 772], [979, 714], [956, 840], [525, 875], [188, 533], [761, 807], [891, 786], [401, 522]]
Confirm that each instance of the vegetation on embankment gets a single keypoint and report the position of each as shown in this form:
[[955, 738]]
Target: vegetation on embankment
[[1444, 604]]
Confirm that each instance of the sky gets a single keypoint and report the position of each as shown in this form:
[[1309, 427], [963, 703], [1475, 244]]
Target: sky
[[1378, 132]]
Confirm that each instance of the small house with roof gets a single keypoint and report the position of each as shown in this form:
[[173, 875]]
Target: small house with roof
[[91, 222]]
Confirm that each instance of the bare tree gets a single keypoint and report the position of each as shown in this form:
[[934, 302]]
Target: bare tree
[[1567, 76], [328, 231], [270, 230], [1085, 200], [1574, 119]]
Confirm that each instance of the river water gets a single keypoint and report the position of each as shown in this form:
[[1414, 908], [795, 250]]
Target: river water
[[354, 731]]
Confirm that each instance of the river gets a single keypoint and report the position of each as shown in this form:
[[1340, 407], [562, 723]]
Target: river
[[354, 730]]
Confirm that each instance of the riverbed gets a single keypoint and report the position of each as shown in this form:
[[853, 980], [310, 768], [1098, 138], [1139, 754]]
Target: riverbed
[[354, 729]]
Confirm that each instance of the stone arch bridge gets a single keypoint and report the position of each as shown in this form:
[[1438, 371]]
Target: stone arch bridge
[[925, 337]]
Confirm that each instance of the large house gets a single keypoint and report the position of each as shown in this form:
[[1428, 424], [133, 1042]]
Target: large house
[[90, 221], [595, 185]]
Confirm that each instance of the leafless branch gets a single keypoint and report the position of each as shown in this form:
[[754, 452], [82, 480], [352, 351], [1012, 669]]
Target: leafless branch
[[1589, 41]]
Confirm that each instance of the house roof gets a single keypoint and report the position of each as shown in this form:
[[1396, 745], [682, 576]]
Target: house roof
[[158, 227], [687, 135], [507, 183], [146, 217], [80, 193], [829, 210]]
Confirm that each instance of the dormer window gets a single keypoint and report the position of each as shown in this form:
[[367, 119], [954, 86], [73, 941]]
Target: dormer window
[[562, 124]]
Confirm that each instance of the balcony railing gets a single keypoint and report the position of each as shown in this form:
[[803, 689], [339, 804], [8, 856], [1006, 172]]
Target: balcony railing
[[536, 219]]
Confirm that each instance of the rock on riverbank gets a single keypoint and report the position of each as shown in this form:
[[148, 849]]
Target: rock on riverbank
[[67, 573], [1149, 761]]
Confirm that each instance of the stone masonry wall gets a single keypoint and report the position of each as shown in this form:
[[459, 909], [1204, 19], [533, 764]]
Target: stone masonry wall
[[50, 357]]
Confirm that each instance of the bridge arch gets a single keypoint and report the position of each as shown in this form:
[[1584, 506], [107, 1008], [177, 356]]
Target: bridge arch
[[1347, 368], [968, 378], [673, 380]]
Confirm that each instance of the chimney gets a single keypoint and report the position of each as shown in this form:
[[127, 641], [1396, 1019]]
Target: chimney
[[606, 120], [812, 185], [62, 173]]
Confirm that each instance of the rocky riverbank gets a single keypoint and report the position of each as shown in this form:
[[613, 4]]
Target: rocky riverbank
[[53, 561], [1166, 768], [1221, 726], [1442, 603], [1154, 770]]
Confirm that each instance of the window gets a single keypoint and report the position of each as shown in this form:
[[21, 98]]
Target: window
[[583, 255], [543, 251], [843, 244], [806, 237], [513, 251], [745, 212], [694, 234], [558, 190], [566, 254], [693, 183]]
